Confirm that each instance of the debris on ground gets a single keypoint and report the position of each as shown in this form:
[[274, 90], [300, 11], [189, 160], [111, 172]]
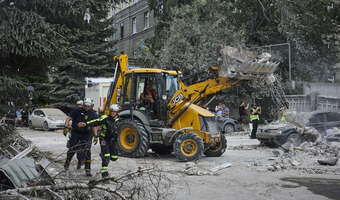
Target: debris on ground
[[220, 167], [192, 169], [328, 161], [302, 144], [309, 154], [26, 173]]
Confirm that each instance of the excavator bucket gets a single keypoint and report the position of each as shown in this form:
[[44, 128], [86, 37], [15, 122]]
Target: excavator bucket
[[246, 65]]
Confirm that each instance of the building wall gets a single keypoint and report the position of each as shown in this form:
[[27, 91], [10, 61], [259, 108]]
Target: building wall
[[324, 89], [124, 15], [314, 102]]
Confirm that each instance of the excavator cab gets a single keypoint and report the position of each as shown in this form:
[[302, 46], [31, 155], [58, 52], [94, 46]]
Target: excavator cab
[[149, 92]]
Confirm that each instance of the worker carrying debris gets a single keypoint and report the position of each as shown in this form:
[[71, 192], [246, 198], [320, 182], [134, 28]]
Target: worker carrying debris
[[107, 136]]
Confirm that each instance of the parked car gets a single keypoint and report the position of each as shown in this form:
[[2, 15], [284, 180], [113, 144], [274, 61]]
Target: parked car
[[278, 133], [227, 124], [47, 118]]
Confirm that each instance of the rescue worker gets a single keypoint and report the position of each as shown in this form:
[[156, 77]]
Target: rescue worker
[[67, 130], [81, 137], [255, 112], [107, 136], [282, 112]]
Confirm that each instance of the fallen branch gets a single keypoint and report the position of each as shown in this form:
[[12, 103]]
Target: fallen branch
[[111, 191], [139, 172], [93, 184]]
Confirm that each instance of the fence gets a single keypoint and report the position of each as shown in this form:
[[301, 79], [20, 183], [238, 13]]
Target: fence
[[307, 103]]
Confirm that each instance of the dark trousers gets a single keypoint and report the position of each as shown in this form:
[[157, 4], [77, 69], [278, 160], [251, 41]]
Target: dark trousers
[[81, 144], [108, 152], [254, 130]]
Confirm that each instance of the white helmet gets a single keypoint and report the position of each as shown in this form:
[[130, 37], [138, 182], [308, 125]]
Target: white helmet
[[114, 108], [80, 102], [88, 102]]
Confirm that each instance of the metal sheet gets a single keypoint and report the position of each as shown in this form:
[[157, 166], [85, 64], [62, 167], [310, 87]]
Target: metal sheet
[[19, 171]]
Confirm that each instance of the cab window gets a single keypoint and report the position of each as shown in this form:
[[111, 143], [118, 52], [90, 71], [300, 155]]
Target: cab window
[[128, 90], [171, 85]]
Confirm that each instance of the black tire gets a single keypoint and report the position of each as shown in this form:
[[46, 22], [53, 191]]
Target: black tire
[[218, 149], [45, 126], [188, 147], [228, 128], [30, 125], [133, 140], [161, 149]]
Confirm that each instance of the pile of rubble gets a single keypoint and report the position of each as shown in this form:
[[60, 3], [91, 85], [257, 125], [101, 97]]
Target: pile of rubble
[[314, 151]]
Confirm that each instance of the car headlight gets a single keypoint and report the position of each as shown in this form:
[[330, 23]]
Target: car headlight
[[50, 118]]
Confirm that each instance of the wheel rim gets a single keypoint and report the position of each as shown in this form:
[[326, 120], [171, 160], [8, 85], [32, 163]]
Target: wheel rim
[[228, 128], [128, 138], [189, 147]]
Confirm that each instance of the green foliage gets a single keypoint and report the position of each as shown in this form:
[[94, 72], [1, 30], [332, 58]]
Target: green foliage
[[90, 53], [310, 26], [12, 91], [195, 34], [51, 38]]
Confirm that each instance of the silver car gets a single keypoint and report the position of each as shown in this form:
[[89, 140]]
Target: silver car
[[47, 119]]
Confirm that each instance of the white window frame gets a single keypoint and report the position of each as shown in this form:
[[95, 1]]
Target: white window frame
[[146, 19], [134, 25]]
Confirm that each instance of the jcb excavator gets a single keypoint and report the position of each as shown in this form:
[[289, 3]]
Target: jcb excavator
[[173, 121]]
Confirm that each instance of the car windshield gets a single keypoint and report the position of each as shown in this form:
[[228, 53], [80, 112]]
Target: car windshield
[[54, 112]]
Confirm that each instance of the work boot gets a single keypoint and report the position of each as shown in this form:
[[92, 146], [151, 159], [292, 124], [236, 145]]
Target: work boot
[[105, 174], [66, 165], [88, 172]]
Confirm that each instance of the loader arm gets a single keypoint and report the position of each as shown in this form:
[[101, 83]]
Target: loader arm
[[121, 67], [238, 66], [195, 93]]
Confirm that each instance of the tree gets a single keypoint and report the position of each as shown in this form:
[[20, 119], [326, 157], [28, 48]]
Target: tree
[[28, 45], [90, 52], [195, 33], [40, 39], [310, 26]]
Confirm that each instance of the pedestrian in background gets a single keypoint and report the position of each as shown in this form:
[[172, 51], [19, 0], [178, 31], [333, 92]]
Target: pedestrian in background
[[243, 111]]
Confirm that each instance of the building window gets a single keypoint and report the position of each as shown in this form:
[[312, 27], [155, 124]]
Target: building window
[[146, 20], [121, 30], [134, 25]]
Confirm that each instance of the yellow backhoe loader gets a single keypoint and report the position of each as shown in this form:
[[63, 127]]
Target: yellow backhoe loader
[[169, 119]]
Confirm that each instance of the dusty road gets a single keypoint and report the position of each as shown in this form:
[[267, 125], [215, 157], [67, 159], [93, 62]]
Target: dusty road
[[247, 178]]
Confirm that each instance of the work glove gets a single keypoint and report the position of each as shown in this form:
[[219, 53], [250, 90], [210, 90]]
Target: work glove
[[66, 131], [95, 140]]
